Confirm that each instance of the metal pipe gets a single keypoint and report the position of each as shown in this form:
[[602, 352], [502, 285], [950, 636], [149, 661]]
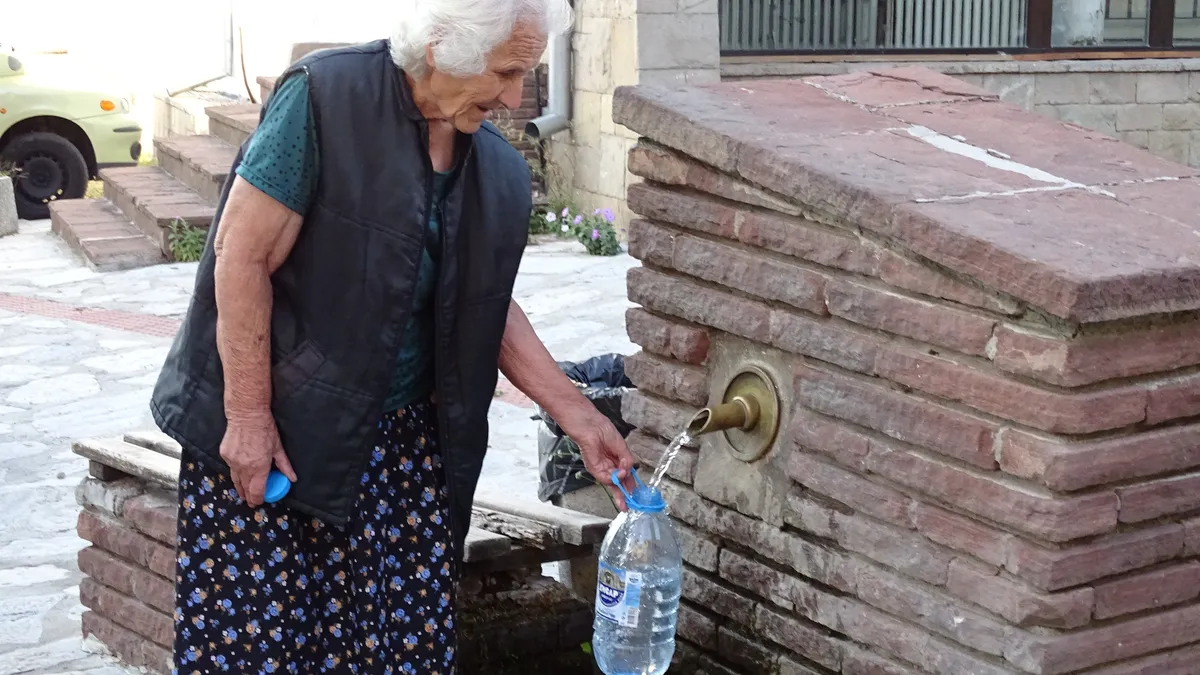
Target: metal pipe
[[557, 115], [742, 412]]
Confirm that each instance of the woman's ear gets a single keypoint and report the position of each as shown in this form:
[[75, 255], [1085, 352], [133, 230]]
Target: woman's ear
[[429, 57]]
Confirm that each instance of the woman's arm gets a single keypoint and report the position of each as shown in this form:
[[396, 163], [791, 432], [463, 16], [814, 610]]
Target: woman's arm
[[527, 363], [255, 235]]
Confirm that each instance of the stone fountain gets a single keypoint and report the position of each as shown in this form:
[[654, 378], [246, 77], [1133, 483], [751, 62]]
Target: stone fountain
[[951, 352]]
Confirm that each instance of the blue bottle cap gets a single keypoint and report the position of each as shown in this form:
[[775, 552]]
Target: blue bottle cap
[[644, 497], [278, 486]]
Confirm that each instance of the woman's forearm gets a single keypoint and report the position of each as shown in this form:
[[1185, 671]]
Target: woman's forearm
[[243, 292], [254, 237], [527, 363]]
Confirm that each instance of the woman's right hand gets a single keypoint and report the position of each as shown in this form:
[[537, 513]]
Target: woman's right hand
[[250, 447]]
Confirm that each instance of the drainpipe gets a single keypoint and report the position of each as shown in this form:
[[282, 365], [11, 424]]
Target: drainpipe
[[557, 115]]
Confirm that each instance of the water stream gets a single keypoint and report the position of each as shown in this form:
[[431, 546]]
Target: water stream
[[668, 456]]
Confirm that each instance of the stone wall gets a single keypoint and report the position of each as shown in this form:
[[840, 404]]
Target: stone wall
[[982, 326], [624, 42], [1149, 103]]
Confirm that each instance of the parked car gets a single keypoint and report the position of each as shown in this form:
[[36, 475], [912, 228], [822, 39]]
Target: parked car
[[57, 131]]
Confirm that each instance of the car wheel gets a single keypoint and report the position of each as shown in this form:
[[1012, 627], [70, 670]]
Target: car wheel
[[48, 168]]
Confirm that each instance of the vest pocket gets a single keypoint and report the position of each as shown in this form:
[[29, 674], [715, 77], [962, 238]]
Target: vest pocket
[[295, 369]]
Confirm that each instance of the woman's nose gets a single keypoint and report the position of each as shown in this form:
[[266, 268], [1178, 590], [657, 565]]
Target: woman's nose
[[510, 96]]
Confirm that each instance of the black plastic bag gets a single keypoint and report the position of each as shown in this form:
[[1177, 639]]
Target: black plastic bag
[[602, 380]]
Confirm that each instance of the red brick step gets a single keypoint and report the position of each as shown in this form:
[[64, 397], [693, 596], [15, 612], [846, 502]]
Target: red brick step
[[153, 200], [98, 231], [199, 162], [233, 123]]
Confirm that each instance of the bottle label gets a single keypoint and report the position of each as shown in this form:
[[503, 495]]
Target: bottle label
[[618, 595]]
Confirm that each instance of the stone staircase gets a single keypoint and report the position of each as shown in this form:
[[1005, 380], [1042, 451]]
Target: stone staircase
[[129, 228]]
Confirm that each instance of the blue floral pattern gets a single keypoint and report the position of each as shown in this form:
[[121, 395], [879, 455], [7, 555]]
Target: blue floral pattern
[[266, 590]]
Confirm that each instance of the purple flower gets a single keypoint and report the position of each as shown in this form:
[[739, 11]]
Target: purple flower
[[608, 215], [595, 234], [566, 212], [578, 219]]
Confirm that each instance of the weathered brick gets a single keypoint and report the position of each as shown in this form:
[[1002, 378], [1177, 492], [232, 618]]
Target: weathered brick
[[701, 214], [1174, 662], [1015, 601], [699, 303], [912, 275], [654, 415], [753, 273], [927, 607], [107, 496], [693, 624], [1052, 518], [745, 652], [858, 661], [762, 580], [1066, 465], [789, 667], [667, 338], [651, 243], [698, 549], [1173, 399], [713, 596], [789, 235], [805, 513], [846, 446], [710, 666], [135, 582], [1149, 590], [116, 538], [649, 450], [103, 472], [841, 345], [1191, 536], [672, 380], [910, 643], [807, 558], [1120, 640], [938, 324], [158, 627], [902, 416], [981, 540], [662, 165], [154, 515], [1081, 361], [1155, 499], [853, 490], [811, 642], [1058, 412], [1053, 569], [131, 648], [907, 552]]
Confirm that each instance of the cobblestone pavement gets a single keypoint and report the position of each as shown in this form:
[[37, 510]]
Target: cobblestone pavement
[[79, 353]]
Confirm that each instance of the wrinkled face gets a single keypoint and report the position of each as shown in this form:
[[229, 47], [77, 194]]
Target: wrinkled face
[[467, 101]]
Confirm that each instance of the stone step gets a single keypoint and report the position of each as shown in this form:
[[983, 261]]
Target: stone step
[[97, 230], [153, 200], [199, 162], [233, 123]]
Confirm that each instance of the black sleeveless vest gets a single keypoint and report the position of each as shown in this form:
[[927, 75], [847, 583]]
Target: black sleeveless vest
[[343, 297]]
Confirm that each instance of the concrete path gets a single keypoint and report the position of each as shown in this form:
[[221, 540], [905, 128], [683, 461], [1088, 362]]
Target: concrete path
[[79, 353]]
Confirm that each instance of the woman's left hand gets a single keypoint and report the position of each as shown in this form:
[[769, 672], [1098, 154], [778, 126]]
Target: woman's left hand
[[603, 451]]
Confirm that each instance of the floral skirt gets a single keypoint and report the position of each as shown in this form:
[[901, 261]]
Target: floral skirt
[[271, 591]]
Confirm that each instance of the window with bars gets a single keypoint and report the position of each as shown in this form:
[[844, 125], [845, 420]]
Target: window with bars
[[955, 26]]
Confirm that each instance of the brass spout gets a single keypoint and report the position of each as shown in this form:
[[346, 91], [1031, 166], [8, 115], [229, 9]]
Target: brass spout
[[739, 413], [748, 415]]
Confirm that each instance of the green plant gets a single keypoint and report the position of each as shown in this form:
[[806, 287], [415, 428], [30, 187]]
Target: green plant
[[185, 240]]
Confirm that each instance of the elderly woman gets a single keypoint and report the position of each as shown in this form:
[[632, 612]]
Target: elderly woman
[[350, 315]]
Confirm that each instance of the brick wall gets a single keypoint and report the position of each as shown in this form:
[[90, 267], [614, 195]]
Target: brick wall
[[1149, 103], [988, 461]]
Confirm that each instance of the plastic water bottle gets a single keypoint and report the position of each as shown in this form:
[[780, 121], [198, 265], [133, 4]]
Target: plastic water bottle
[[278, 486], [637, 589]]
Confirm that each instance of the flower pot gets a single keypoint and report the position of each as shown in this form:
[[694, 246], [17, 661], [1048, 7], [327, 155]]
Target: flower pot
[[8, 207]]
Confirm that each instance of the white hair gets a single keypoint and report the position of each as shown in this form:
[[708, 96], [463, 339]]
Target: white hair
[[464, 32]]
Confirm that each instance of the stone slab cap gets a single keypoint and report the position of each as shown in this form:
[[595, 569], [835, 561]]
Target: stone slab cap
[[1071, 221]]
